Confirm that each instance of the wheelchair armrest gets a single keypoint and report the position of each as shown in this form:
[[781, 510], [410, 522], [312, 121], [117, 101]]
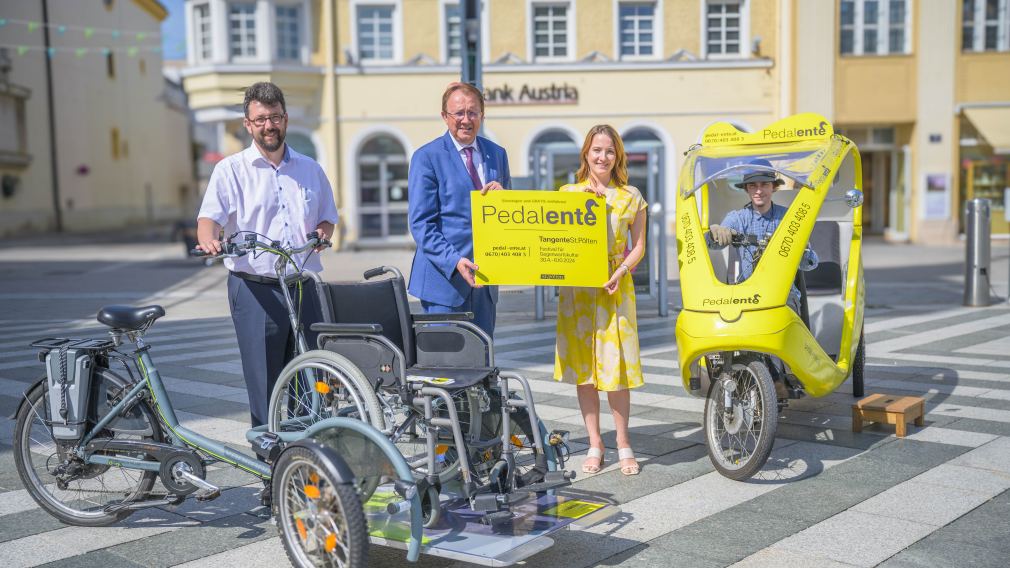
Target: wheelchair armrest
[[454, 316], [365, 328]]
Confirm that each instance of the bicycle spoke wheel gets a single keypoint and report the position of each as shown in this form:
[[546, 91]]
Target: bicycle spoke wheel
[[64, 485], [321, 520], [740, 435], [318, 385]]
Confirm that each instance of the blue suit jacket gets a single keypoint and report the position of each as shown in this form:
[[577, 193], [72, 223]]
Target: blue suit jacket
[[439, 189]]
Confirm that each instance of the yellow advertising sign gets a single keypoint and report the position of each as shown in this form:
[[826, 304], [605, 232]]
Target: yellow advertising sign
[[804, 126], [547, 238]]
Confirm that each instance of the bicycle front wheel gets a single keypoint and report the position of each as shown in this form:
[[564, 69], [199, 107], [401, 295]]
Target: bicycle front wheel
[[740, 434]]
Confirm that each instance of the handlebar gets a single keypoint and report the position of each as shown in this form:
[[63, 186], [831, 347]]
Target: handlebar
[[231, 249], [741, 239]]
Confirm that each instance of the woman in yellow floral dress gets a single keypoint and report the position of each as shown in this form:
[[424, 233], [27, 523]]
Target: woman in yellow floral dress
[[597, 345]]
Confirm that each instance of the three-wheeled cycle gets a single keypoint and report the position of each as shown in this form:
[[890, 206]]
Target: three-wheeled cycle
[[419, 443], [742, 343]]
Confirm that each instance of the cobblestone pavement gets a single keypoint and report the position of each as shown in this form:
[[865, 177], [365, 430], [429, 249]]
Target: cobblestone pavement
[[827, 497]]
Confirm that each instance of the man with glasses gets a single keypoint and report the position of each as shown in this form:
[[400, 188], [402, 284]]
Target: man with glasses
[[282, 195], [442, 174]]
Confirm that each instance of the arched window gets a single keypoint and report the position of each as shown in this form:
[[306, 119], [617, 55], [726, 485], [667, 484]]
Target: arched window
[[382, 188], [554, 159]]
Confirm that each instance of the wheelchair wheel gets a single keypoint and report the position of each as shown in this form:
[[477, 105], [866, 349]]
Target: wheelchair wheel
[[320, 519], [740, 438], [321, 384], [858, 366]]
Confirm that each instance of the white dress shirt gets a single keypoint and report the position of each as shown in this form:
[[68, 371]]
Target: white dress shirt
[[478, 158], [246, 192]]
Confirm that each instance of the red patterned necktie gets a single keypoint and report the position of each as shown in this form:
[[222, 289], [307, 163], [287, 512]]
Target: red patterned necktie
[[470, 168]]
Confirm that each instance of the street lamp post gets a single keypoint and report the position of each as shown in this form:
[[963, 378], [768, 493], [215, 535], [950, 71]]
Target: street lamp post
[[470, 43]]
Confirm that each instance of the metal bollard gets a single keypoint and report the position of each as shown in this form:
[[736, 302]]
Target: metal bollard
[[538, 302], [977, 253]]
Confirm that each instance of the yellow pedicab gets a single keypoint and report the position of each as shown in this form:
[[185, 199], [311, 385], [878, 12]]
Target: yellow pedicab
[[773, 316]]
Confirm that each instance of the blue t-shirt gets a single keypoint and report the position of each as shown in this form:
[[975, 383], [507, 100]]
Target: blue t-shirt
[[747, 221]]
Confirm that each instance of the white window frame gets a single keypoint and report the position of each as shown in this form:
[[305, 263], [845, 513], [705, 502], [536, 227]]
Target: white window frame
[[570, 31], [745, 50], [300, 20], [397, 17], [883, 25], [202, 38], [244, 58], [657, 31], [979, 25]]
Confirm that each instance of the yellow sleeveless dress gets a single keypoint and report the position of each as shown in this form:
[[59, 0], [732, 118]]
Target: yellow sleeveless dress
[[598, 332]]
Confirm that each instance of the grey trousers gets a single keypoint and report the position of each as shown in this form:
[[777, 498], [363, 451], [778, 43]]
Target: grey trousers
[[266, 342]]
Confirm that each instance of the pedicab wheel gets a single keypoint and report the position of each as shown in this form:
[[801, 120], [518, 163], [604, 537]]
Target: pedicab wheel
[[319, 516], [431, 509], [858, 366], [321, 384], [740, 438]]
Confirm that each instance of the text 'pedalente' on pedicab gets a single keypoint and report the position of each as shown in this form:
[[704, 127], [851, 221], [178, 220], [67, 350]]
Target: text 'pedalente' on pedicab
[[773, 293], [396, 430]]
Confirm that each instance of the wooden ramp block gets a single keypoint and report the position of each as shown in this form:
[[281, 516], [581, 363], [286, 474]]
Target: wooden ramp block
[[889, 409]]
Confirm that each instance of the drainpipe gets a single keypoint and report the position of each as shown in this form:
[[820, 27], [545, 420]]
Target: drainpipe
[[54, 169]]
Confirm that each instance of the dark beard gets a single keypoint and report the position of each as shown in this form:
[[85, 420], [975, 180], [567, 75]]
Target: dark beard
[[261, 140]]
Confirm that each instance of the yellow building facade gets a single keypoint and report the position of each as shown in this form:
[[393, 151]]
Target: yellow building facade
[[115, 151], [364, 79]]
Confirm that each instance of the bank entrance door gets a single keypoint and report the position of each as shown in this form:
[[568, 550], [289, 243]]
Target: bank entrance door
[[554, 164]]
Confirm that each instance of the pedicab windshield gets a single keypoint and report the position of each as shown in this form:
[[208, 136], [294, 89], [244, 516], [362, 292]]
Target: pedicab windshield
[[795, 162]]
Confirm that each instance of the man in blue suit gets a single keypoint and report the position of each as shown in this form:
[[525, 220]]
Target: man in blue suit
[[442, 174]]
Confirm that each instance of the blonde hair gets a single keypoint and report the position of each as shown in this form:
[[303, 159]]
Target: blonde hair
[[619, 173]]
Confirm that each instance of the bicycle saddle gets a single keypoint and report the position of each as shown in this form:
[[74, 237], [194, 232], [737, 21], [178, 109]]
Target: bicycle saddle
[[129, 318]]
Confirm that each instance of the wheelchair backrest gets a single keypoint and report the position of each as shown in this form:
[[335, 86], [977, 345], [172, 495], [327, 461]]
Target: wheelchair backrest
[[381, 301]]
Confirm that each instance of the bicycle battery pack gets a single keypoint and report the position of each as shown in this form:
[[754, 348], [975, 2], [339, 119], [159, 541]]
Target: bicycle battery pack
[[69, 367]]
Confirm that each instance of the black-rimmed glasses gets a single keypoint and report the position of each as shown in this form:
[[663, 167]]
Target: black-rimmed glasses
[[274, 119]]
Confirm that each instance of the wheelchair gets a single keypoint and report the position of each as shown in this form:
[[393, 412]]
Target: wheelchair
[[428, 382]]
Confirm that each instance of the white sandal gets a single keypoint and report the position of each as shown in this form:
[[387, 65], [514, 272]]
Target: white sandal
[[627, 454], [593, 453]]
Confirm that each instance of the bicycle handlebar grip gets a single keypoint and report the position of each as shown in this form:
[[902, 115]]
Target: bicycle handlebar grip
[[197, 252], [373, 272]]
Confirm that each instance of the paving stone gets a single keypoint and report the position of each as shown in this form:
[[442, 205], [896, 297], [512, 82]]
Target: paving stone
[[857, 538], [967, 478], [654, 554], [708, 538], [95, 559], [985, 527], [981, 426], [923, 503], [658, 473], [27, 523], [932, 553], [37, 548], [781, 558], [267, 553], [993, 456], [192, 543]]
